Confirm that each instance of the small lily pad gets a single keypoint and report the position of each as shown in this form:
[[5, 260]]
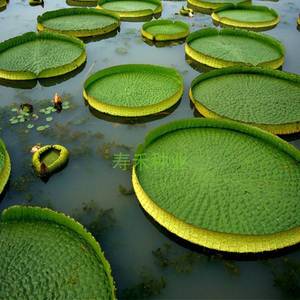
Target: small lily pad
[[49, 119], [29, 126]]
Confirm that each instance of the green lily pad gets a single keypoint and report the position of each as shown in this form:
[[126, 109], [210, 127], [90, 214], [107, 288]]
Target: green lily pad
[[5, 166], [221, 184], [79, 22], [208, 6], [142, 89], [42, 127], [132, 9], [3, 4], [54, 157], [229, 47], [58, 257], [269, 99], [29, 126], [14, 109], [32, 55], [246, 16], [49, 119], [165, 30]]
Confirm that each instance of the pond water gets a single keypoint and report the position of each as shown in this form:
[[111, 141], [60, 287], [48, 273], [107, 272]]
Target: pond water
[[146, 261]]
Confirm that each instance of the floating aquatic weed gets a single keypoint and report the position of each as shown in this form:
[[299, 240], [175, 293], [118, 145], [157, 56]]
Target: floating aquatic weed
[[49, 119]]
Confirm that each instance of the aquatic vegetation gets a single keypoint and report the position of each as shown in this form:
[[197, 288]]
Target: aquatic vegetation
[[228, 47], [51, 238], [165, 257], [287, 277], [165, 30], [49, 159], [26, 116], [82, 2], [3, 4], [142, 90], [79, 22], [36, 2], [217, 164], [269, 99], [125, 191], [96, 219], [5, 166], [148, 286], [208, 6], [132, 10], [246, 16], [185, 11], [40, 55]]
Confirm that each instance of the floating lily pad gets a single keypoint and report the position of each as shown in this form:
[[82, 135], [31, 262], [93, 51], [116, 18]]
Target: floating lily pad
[[79, 22], [229, 47], [132, 9], [208, 6], [269, 99], [165, 30], [246, 16], [3, 4], [82, 2], [53, 255], [4, 166], [53, 157], [221, 184], [141, 90], [32, 55]]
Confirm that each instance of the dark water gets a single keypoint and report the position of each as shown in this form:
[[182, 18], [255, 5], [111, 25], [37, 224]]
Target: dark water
[[146, 262]]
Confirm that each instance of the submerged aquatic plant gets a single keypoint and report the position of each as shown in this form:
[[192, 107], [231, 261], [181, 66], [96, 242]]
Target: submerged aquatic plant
[[147, 287], [95, 219]]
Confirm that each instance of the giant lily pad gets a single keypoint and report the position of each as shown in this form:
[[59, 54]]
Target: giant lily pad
[[266, 98], [165, 30], [32, 56], [3, 4], [86, 3], [221, 184], [53, 257], [132, 9], [79, 22], [49, 159], [133, 90], [229, 47], [4, 166], [208, 6], [246, 16]]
